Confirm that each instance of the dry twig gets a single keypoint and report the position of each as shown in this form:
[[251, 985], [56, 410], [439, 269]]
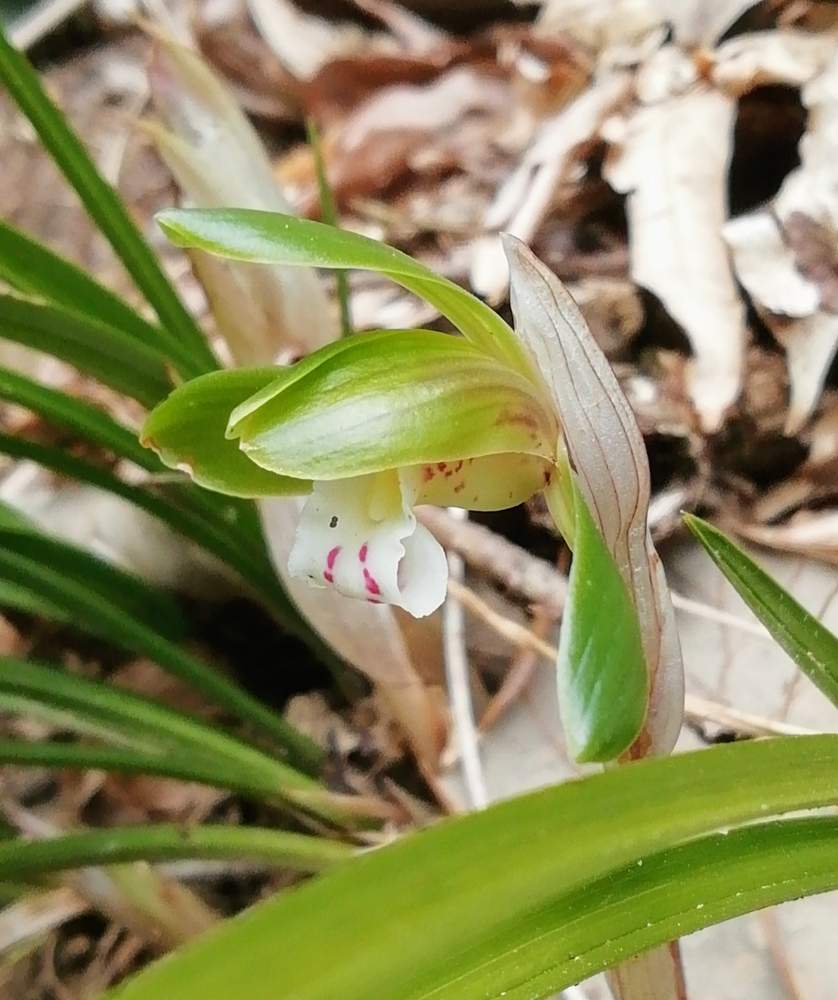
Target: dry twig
[[457, 676]]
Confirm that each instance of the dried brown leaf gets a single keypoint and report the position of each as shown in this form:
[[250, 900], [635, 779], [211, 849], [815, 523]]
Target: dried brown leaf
[[37, 914], [763, 58], [815, 249], [766, 266], [672, 161], [811, 344], [413, 32], [605, 25], [218, 160], [787, 255], [697, 23], [609, 456], [526, 196], [302, 42], [811, 533]]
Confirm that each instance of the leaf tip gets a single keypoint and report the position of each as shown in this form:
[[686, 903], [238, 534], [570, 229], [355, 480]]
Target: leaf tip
[[171, 221], [516, 251], [700, 528]]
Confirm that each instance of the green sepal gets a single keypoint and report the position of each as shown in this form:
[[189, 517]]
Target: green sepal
[[388, 400], [602, 674], [187, 432], [273, 238]]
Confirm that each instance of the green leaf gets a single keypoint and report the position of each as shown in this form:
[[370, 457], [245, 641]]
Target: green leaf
[[101, 201], [120, 717], [427, 915], [272, 238], [169, 504], [12, 517], [208, 519], [139, 726], [168, 842], [179, 764], [115, 358], [387, 400], [670, 894], [220, 513], [602, 674], [88, 421], [119, 608], [19, 598], [35, 270], [187, 430], [810, 644], [126, 592]]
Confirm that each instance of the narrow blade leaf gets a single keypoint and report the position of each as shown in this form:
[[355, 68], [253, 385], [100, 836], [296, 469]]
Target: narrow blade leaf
[[67, 411], [602, 675], [115, 358], [430, 911], [100, 200], [169, 504], [168, 842], [34, 269], [109, 603], [809, 643], [128, 719], [277, 786], [126, 592]]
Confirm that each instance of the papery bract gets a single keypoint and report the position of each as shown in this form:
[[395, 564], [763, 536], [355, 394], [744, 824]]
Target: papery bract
[[609, 458]]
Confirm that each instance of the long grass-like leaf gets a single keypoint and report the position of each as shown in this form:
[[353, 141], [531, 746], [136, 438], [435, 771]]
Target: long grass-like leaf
[[809, 643], [117, 607], [120, 716], [98, 427], [100, 200], [214, 534], [127, 593], [672, 893], [83, 418], [168, 842], [34, 269], [181, 764], [506, 899], [115, 358], [208, 514]]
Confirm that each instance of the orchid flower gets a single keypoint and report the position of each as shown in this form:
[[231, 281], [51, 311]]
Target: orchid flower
[[264, 313], [378, 423], [368, 428]]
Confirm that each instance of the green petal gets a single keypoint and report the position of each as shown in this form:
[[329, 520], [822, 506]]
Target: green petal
[[602, 674], [272, 238], [187, 432], [384, 401]]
